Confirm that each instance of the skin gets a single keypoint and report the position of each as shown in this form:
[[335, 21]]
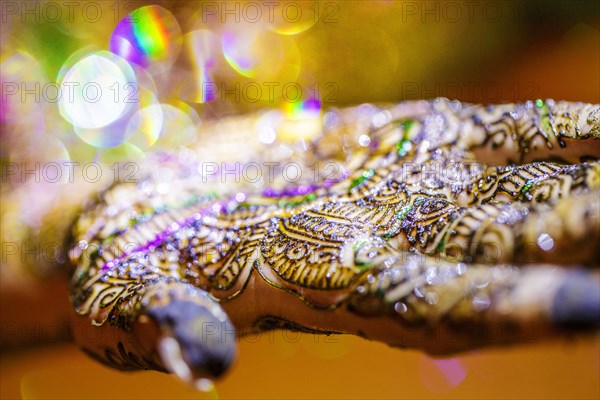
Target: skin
[[369, 241]]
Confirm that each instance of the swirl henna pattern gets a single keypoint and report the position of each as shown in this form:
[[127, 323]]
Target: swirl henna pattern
[[417, 238]]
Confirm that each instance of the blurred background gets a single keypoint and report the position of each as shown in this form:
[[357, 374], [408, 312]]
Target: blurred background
[[108, 81]]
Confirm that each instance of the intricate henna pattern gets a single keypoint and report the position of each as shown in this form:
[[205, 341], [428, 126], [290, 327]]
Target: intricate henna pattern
[[418, 226]]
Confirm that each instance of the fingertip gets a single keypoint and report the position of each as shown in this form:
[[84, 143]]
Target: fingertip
[[577, 301], [195, 343]]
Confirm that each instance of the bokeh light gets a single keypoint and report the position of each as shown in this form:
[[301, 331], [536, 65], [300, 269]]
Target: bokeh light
[[441, 375], [309, 108], [20, 74], [291, 18], [145, 125], [149, 36], [180, 126], [255, 52], [118, 154], [202, 47], [96, 90]]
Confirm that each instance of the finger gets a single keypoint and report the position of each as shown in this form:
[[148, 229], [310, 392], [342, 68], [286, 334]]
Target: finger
[[447, 307], [536, 183], [150, 323], [129, 291], [540, 130], [504, 133], [325, 275], [471, 183], [513, 233], [415, 301], [429, 220], [430, 143]]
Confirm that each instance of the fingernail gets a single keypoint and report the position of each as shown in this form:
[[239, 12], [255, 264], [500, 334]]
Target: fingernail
[[206, 343]]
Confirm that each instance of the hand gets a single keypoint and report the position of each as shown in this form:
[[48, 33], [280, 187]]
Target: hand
[[430, 225]]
